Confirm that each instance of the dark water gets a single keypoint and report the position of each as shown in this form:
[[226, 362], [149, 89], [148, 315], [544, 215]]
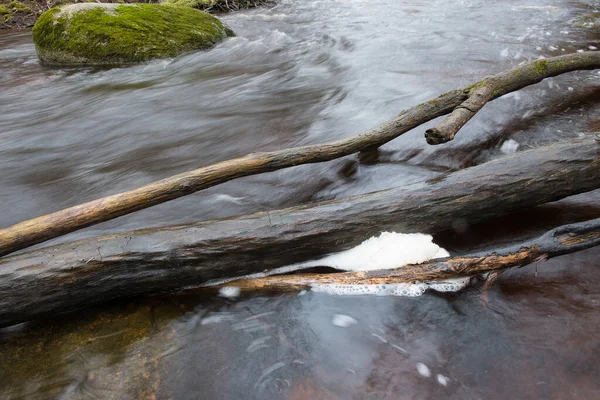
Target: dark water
[[306, 72]]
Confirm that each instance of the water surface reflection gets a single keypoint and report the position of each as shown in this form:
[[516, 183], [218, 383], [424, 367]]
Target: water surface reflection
[[300, 73]]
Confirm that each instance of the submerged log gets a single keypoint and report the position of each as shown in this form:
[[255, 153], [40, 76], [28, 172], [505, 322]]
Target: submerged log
[[76, 275], [556, 242], [40, 229]]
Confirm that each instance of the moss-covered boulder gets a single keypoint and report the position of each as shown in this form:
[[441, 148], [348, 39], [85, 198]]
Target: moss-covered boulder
[[100, 34]]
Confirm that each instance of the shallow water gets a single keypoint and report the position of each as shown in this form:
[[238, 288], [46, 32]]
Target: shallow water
[[306, 72]]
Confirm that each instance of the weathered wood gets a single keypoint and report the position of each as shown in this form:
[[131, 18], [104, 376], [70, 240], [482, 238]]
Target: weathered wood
[[79, 274], [556, 242], [38, 230], [498, 85]]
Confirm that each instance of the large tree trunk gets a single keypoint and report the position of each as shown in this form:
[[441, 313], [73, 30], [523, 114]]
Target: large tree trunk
[[463, 103], [79, 274]]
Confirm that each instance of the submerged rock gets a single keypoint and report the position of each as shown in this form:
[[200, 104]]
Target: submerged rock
[[100, 34]]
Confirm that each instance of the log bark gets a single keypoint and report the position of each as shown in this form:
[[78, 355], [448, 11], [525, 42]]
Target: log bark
[[509, 81], [556, 242], [38, 230], [75, 275]]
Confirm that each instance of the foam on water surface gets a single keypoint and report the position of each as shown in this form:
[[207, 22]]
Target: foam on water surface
[[394, 289], [343, 321], [389, 250], [230, 292]]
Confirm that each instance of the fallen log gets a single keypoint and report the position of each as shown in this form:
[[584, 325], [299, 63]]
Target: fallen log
[[75, 275], [40, 229], [556, 242]]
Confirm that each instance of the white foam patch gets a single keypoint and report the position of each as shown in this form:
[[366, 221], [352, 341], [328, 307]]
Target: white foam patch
[[509, 146], [230, 292], [393, 289], [442, 380], [387, 251], [423, 370], [343, 321]]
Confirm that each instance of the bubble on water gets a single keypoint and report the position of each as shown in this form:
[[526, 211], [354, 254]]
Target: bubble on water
[[442, 380], [423, 370], [229, 292], [449, 285], [343, 321], [509, 146]]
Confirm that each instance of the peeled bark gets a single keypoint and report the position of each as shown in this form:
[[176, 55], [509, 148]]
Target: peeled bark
[[563, 240], [38, 230], [76, 275]]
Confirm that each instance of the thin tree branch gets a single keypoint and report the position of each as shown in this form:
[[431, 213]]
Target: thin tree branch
[[505, 82]]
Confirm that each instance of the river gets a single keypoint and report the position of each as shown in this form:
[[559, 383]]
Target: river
[[307, 72]]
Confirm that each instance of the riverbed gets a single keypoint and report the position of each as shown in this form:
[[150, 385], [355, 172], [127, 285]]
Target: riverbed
[[307, 72]]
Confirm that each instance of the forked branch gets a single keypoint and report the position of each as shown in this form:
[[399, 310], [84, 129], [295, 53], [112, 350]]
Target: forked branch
[[505, 82]]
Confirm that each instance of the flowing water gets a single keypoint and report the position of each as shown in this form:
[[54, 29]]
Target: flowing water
[[306, 72]]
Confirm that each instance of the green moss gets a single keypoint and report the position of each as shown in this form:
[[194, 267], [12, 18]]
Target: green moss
[[120, 34], [540, 66], [4, 10], [199, 4], [17, 6]]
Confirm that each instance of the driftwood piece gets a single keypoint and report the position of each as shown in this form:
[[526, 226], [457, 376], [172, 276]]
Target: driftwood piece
[[498, 85], [38, 230], [75, 275], [556, 242]]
